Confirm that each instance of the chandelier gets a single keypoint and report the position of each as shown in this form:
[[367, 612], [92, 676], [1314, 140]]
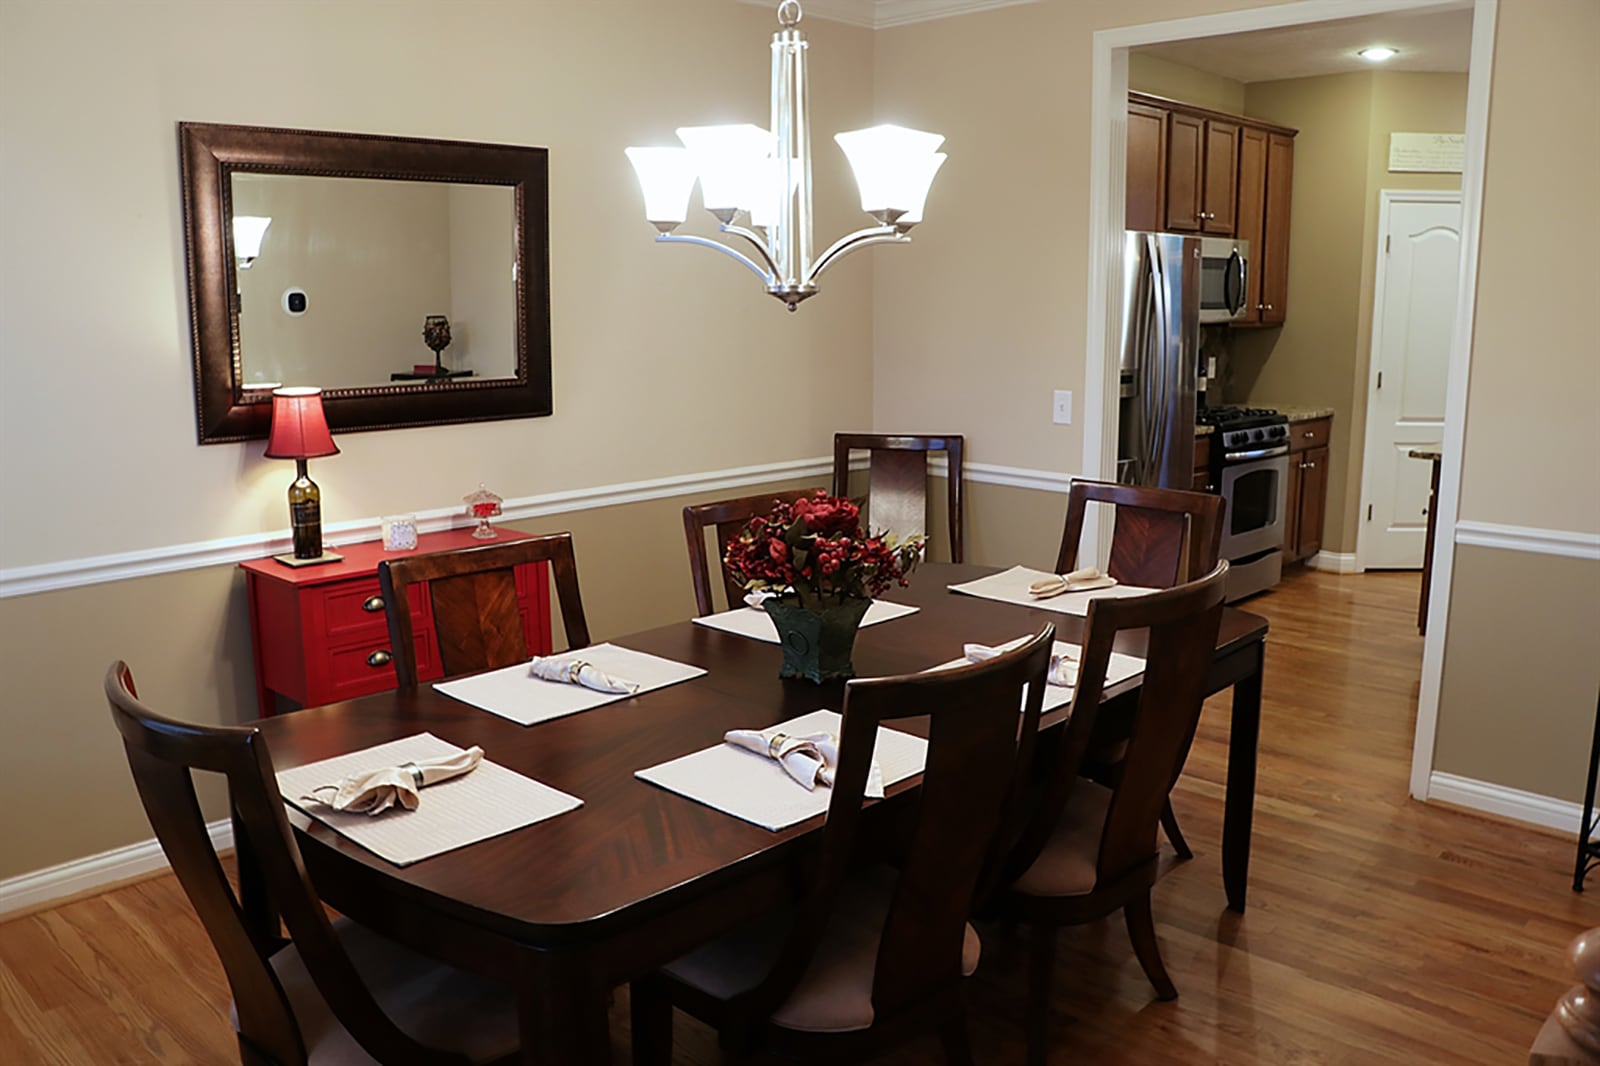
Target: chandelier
[[763, 177]]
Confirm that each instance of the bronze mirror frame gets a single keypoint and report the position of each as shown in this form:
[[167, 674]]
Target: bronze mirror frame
[[226, 408]]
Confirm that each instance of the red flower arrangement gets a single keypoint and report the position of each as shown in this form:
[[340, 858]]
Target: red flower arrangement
[[814, 550]]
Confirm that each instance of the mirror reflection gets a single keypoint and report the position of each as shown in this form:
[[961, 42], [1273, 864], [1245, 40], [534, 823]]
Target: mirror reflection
[[353, 275]]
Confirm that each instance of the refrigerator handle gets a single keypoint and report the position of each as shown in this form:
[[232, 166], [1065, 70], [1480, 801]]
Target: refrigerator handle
[[1157, 394], [1232, 296]]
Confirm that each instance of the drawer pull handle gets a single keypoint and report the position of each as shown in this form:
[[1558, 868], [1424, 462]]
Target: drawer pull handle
[[373, 605], [381, 657], [1309, 436]]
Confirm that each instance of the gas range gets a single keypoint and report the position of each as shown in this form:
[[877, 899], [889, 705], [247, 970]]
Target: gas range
[[1246, 432]]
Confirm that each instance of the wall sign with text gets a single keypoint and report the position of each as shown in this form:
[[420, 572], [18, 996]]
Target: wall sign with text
[[1427, 152]]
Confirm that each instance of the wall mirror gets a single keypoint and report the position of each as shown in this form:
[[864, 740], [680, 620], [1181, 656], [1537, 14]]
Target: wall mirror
[[408, 278]]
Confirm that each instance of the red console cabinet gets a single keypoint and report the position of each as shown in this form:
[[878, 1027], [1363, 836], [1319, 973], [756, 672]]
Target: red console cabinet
[[320, 635]]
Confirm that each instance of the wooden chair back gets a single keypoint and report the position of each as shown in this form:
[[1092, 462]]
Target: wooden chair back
[[1182, 641], [897, 482], [978, 746], [163, 754], [473, 592], [1162, 537], [728, 518]]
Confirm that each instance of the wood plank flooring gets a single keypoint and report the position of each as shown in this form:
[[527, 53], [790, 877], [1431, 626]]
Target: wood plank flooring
[[1379, 930]]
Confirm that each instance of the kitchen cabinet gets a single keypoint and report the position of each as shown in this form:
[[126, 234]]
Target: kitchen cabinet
[[1306, 493], [319, 633], [1147, 166], [1218, 175], [1202, 463]]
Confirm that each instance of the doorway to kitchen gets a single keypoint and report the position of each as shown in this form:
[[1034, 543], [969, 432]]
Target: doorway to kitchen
[[1107, 196]]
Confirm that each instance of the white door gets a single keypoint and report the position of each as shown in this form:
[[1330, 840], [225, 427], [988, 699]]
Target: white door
[[1414, 307]]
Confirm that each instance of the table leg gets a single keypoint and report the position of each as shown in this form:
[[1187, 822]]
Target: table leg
[[1241, 791], [561, 1010]]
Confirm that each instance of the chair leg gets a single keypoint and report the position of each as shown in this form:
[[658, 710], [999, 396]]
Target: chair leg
[[650, 1009], [953, 1035], [1142, 931], [1169, 823], [1041, 968]]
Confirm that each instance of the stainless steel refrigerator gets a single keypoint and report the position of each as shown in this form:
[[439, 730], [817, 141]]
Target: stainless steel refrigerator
[[1160, 359]]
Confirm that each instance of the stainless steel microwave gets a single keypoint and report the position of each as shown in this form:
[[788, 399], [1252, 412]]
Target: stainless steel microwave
[[1224, 266]]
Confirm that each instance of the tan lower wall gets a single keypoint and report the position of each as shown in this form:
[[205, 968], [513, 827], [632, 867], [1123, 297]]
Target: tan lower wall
[[1517, 703]]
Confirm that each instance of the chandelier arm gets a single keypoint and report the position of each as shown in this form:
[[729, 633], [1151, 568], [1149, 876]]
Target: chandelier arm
[[861, 238], [754, 238], [766, 279]]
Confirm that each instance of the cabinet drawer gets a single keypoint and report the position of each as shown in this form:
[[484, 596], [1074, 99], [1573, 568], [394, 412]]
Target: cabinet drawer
[[1303, 435], [353, 608], [352, 671]]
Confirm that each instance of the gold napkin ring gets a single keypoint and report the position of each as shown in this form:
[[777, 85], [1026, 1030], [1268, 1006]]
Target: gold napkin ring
[[775, 744], [575, 669], [414, 770]]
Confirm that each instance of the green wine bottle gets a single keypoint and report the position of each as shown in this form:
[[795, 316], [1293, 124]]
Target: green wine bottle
[[305, 515]]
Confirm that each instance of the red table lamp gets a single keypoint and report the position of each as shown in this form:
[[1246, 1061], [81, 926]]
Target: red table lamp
[[300, 432]]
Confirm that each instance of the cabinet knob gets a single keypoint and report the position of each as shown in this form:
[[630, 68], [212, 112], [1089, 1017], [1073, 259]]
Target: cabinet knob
[[381, 657], [1308, 466], [1310, 435], [373, 605]]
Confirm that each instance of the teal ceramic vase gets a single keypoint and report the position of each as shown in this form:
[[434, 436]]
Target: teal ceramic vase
[[817, 644]]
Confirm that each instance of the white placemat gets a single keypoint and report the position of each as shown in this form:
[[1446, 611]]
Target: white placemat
[[1011, 586], [512, 694], [756, 789], [1120, 668], [756, 623], [485, 803]]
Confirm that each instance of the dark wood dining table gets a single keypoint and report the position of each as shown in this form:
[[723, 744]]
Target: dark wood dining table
[[573, 906]]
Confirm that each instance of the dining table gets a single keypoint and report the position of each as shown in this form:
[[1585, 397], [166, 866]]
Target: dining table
[[569, 908]]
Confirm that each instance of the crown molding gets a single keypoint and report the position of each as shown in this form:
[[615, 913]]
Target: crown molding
[[881, 14]]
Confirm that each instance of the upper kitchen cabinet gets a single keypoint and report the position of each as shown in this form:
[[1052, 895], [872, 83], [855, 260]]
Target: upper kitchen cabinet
[[1147, 167], [1191, 170]]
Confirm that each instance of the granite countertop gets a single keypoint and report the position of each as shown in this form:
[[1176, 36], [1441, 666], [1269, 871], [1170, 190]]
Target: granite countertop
[[1426, 453], [1204, 431], [1295, 412]]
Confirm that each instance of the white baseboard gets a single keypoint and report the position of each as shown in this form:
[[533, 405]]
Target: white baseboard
[[1506, 802], [1333, 562], [42, 887]]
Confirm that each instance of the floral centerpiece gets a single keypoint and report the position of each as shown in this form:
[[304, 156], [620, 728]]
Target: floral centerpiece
[[822, 572]]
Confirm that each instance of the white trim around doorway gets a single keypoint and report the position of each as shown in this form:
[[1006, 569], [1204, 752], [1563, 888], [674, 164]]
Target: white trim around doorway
[[1107, 160]]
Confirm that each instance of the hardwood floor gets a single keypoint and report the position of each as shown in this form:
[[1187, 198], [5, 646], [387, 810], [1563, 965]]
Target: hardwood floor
[[1379, 930]]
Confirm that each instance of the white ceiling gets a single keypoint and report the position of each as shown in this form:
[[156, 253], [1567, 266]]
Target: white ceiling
[[1433, 40], [878, 14]]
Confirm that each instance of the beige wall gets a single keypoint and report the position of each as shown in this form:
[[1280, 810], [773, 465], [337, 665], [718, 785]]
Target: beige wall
[[1162, 77], [1320, 357], [93, 305], [1532, 436]]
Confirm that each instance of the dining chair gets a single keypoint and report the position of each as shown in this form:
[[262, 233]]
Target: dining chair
[[728, 518], [1087, 850], [897, 481], [334, 992], [473, 595], [1161, 538], [875, 954]]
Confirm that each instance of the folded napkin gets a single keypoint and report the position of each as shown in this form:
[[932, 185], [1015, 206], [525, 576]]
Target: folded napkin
[[375, 791], [1084, 580], [1063, 668], [810, 759], [758, 597], [575, 671]]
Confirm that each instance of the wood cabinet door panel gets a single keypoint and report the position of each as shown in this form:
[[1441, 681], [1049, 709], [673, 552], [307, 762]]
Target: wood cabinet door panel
[[1185, 171], [1221, 188], [1313, 470], [1147, 168], [1251, 217], [1291, 512], [1275, 272]]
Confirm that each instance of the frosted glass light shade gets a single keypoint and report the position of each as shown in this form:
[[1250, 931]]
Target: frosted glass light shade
[[248, 230], [913, 213], [730, 161], [666, 177], [894, 166]]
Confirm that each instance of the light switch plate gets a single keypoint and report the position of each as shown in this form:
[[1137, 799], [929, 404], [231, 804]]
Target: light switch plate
[[1061, 414]]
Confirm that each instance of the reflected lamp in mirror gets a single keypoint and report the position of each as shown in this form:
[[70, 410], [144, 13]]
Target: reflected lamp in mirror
[[248, 232], [300, 432]]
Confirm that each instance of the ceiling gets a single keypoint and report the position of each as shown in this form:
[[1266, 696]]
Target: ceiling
[[1433, 40], [878, 14]]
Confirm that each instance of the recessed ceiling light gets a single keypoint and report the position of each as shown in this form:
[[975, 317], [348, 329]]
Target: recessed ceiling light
[[1377, 54]]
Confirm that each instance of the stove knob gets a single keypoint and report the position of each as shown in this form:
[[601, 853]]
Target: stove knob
[[1256, 434]]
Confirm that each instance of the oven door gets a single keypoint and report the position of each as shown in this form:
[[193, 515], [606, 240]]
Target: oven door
[[1255, 493]]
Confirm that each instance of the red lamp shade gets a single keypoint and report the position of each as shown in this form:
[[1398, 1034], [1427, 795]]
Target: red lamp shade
[[299, 428]]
